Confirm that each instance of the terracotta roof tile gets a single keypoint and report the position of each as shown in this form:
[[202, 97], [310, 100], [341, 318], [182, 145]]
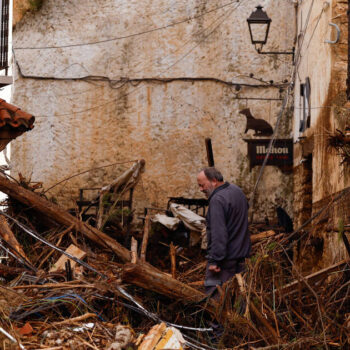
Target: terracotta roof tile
[[15, 117], [13, 123]]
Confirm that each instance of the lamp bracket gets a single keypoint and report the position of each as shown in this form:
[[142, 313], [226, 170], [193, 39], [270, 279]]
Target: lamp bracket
[[276, 52]]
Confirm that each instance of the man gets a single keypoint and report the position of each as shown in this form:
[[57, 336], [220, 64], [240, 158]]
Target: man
[[227, 229]]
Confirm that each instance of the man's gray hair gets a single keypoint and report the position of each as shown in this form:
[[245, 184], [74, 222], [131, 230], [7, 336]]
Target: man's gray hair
[[212, 173]]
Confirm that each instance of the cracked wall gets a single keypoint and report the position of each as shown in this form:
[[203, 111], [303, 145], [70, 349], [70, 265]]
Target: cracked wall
[[84, 123]]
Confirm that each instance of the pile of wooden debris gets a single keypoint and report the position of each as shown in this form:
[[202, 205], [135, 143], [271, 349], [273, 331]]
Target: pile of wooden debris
[[68, 285]]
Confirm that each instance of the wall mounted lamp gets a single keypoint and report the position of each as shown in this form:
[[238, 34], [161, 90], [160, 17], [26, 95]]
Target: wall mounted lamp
[[259, 26]]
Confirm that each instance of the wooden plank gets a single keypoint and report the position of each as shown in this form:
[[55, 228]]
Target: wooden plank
[[262, 235], [133, 250], [72, 250], [173, 260], [145, 239], [152, 338], [312, 278]]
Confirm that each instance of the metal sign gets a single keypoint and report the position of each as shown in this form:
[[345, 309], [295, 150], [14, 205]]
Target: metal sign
[[281, 154]]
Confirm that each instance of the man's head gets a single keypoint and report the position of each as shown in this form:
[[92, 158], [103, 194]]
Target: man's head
[[209, 179]]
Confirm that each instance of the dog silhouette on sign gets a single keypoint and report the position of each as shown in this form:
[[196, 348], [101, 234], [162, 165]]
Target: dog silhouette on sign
[[260, 126]]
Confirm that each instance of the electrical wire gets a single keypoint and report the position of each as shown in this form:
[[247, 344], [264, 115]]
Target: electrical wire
[[111, 82], [129, 35], [166, 322], [19, 259], [158, 77], [87, 266], [316, 25], [12, 338], [205, 37], [298, 56], [313, 217], [87, 171], [284, 105]]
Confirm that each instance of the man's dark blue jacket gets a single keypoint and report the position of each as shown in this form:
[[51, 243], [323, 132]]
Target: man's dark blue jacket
[[227, 226]]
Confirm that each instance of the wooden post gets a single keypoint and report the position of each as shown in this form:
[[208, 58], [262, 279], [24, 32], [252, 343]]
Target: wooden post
[[133, 250], [145, 239], [173, 260], [210, 155]]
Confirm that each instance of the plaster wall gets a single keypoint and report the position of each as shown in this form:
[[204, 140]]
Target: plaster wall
[[84, 122], [326, 66]]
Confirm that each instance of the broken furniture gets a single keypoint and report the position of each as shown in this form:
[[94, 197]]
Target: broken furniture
[[88, 205], [112, 196], [194, 204]]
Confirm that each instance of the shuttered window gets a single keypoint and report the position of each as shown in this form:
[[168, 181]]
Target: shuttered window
[[4, 34]]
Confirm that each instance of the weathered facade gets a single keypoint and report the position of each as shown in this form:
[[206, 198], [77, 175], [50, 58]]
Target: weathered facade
[[113, 81], [321, 111]]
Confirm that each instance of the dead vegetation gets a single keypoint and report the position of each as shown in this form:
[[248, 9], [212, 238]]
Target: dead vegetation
[[341, 143], [68, 285]]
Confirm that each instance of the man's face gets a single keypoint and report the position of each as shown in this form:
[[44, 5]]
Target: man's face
[[206, 186]]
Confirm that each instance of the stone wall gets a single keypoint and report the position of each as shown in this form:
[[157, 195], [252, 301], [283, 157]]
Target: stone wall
[[121, 99], [326, 66]]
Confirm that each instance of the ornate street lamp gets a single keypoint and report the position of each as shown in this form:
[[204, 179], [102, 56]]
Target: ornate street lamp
[[259, 26]]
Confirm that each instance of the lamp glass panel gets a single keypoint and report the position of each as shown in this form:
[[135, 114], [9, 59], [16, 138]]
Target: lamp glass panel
[[259, 31]]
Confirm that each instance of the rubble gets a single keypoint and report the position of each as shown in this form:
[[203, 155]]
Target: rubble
[[68, 285]]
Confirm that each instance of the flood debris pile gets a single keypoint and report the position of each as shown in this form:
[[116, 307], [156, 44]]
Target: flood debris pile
[[68, 285]]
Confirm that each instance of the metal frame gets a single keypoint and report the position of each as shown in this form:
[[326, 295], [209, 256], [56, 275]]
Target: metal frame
[[4, 35]]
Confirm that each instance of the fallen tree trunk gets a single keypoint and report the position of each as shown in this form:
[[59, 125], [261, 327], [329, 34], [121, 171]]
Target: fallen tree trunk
[[60, 216], [149, 278], [152, 279]]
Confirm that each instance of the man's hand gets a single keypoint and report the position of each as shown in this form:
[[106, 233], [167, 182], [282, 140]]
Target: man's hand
[[214, 268]]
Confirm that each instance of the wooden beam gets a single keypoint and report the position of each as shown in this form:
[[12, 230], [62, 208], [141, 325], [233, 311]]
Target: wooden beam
[[259, 236], [312, 278], [60, 216], [133, 250], [7, 235], [72, 250], [145, 239]]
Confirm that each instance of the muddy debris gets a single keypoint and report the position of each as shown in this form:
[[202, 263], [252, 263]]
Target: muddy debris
[[66, 284]]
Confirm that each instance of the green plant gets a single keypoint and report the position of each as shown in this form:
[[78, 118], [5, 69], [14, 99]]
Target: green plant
[[36, 5], [271, 246]]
